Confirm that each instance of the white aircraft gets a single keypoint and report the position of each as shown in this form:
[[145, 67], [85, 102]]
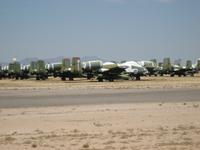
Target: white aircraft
[[104, 71], [151, 66], [134, 69]]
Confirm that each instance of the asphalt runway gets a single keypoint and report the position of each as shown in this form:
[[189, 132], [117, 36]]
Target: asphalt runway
[[44, 98]]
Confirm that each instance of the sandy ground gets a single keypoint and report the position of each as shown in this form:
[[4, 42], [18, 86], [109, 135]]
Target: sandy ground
[[118, 126], [166, 124], [145, 83]]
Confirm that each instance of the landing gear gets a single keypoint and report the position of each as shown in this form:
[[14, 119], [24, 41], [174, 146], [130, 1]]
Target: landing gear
[[71, 78], [63, 78], [137, 78], [89, 76], [100, 79], [111, 79]]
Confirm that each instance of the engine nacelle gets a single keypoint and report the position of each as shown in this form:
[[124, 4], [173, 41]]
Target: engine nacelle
[[92, 65]]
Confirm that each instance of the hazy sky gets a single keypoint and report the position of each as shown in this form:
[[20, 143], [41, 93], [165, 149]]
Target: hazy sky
[[109, 29]]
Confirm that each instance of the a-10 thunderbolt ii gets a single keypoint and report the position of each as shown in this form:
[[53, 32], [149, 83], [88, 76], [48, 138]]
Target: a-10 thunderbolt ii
[[197, 65], [151, 66], [112, 70], [4, 71], [66, 69], [103, 71], [176, 69], [37, 69], [1, 72], [17, 71], [134, 70]]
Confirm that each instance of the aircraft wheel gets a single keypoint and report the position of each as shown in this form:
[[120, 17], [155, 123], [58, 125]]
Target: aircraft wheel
[[43, 78], [100, 79], [138, 78], [89, 76], [63, 78], [54, 75], [71, 79], [111, 80]]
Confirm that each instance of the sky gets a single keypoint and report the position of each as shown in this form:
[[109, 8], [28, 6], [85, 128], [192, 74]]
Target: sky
[[108, 29]]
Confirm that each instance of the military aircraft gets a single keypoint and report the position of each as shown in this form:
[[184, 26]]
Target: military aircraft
[[1, 72], [104, 71], [54, 69], [37, 69], [151, 66], [24, 73], [197, 65], [91, 68], [66, 69], [4, 71], [134, 70], [71, 69], [176, 69]]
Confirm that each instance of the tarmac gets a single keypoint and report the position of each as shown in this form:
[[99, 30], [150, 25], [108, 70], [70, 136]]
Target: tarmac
[[65, 97]]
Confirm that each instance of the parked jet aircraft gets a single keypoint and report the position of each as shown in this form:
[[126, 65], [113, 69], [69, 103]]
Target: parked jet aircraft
[[90, 68], [54, 69], [66, 69], [38, 70], [71, 69], [1, 72], [104, 71], [134, 70], [151, 66], [197, 66], [172, 70]]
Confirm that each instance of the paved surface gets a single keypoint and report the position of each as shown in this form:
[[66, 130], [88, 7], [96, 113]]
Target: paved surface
[[43, 98]]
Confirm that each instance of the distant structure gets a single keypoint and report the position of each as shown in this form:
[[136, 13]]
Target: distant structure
[[14, 59]]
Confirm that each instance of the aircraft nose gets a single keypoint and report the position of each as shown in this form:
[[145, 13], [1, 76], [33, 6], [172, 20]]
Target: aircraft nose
[[122, 66]]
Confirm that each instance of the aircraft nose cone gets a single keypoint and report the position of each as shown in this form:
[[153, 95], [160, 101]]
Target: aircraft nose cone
[[122, 66]]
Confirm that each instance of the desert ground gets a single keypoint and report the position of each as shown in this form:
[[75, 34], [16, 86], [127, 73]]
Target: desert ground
[[145, 83], [154, 113]]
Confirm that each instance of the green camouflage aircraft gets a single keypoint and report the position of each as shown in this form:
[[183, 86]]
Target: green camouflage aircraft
[[67, 69], [172, 70], [37, 69], [1, 72]]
